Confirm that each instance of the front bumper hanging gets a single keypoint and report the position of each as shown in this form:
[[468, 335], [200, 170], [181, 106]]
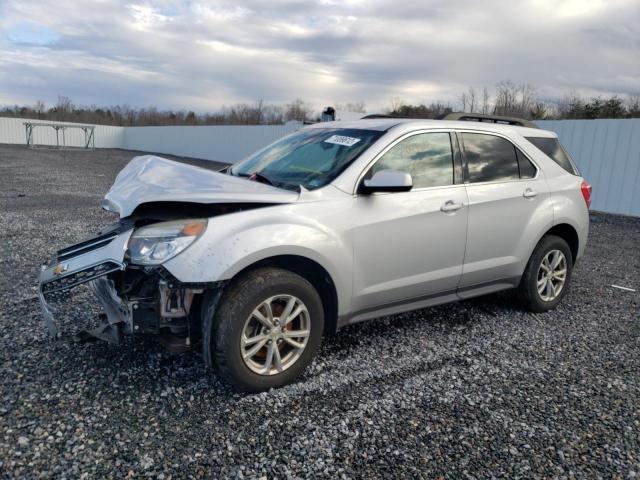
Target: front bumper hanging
[[88, 261]]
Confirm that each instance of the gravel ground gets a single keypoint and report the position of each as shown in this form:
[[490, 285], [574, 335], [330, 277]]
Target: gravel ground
[[476, 389]]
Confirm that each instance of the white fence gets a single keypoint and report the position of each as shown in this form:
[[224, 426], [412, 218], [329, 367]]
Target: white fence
[[228, 143], [12, 130], [607, 153]]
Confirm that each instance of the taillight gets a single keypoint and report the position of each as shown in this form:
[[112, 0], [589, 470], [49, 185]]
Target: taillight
[[586, 193]]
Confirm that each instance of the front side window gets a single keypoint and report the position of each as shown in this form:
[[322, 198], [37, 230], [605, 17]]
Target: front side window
[[490, 158], [311, 158], [427, 157]]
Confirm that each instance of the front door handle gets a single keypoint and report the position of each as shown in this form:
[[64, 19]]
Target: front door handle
[[529, 193], [450, 206]]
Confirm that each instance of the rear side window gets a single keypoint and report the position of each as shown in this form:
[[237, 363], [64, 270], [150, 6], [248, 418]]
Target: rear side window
[[490, 158], [551, 148]]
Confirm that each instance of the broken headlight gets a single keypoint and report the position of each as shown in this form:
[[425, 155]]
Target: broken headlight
[[157, 243]]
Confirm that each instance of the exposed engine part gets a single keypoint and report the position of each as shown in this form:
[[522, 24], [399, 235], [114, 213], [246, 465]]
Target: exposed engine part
[[175, 303]]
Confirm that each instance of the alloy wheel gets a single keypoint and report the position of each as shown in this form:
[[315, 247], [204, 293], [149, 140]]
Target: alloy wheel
[[552, 275], [275, 335]]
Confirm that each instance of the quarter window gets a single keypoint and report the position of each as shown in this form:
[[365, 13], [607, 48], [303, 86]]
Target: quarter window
[[428, 157], [552, 148], [527, 169]]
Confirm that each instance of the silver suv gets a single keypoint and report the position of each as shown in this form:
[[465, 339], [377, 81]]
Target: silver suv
[[335, 224]]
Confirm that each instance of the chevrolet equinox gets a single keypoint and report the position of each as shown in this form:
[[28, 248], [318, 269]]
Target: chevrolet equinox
[[334, 224]]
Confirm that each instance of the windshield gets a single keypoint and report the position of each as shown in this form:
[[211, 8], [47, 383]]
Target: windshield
[[311, 158]]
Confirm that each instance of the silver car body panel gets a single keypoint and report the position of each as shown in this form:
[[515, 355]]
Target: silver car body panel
[[385, 252]]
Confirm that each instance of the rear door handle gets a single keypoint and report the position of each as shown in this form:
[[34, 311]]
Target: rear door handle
[[529, 193], [450, 206]]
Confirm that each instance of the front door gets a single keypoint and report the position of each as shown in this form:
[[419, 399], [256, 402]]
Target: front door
[[410, 245]]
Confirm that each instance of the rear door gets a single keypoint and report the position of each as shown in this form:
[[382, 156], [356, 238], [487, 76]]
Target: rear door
[[505, 191], [410, 245]]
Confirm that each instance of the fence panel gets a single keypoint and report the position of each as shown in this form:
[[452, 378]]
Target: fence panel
[[607, 153], [12, 130], [225, 143]]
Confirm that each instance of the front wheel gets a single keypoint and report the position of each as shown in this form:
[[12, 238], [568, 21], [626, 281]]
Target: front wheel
[[546, 278], [267, 328]]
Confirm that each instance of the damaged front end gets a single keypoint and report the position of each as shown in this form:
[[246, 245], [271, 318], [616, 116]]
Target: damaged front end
[[88, 261], [136, 298], [164, 207]]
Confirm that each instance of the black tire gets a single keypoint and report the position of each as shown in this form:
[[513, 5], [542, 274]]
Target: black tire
[[238, 301], [528, 290]]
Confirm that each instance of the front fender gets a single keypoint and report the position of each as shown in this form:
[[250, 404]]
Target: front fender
[[235, 242]]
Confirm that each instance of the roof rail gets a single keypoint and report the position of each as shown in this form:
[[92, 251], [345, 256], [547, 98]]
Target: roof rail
[[378, 115], [480, 117]]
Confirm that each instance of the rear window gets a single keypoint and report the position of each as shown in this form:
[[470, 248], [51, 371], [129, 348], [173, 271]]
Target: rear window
[[551, 148]]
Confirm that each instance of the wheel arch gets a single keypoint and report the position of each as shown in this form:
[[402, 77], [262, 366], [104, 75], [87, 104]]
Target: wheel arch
[[569, 234], [311, 271]]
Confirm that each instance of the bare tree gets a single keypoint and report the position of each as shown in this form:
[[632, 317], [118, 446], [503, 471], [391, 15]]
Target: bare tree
[[63, 108], [39, 108], [539, 111], [570, 106], [505, 98], [486, 107], [258, 112], [471, 99], [514, 100], [633, 105], [297, 110], [395, 105], [358, 107], [464, 100], [527, 97]]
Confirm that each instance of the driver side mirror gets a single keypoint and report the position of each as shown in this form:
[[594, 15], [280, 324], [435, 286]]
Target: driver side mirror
[[387, 181]]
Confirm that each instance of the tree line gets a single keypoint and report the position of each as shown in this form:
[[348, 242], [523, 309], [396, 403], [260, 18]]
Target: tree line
[[512, 100], [258, 113], [507, 98]]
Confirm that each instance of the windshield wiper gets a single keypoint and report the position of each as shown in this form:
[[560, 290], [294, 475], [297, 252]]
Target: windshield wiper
[[256, 176], [262, 178]]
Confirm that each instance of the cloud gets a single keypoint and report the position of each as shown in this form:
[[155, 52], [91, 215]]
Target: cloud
[[201, 55]]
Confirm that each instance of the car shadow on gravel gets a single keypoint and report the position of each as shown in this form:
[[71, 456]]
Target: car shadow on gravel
[[143, 364]]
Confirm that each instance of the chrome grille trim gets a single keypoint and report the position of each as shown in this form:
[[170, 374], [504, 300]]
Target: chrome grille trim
[[67, 282], [86, 246]]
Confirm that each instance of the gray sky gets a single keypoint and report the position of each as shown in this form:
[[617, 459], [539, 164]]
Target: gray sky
[[202, 55]]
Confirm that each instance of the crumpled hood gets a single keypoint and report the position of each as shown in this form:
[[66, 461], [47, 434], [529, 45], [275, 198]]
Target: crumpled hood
[[154, 179]]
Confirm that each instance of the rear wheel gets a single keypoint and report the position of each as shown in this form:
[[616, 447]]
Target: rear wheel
[[546, 278], [267, 328]]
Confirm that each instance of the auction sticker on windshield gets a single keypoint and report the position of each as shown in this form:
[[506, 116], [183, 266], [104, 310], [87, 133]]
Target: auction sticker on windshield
[[342, 140]]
